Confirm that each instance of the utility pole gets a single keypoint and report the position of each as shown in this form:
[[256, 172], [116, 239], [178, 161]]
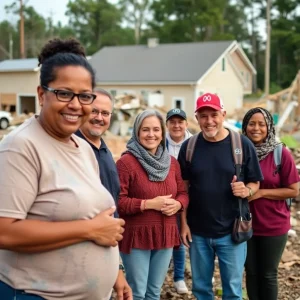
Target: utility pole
[[11, 43], [22, 43], [267, 55], [253, 42]]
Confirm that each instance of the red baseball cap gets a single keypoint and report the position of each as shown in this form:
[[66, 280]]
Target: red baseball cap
[[209, 100]]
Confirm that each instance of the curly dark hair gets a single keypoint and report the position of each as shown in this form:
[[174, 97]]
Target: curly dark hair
[[61, 53], [52, 47]]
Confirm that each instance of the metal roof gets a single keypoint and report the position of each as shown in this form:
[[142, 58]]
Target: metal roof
[[184, 62], [19, 65]]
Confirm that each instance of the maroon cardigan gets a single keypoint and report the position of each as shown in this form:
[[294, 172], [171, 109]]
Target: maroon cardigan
[[150, 229]]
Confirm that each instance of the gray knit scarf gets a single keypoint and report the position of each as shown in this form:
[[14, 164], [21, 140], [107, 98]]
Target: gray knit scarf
[[263, 149], [157, 166]]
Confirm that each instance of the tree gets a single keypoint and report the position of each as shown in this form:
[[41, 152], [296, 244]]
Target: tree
[[135, 12], [191, 20], [96, 23], [9, 38], [35, 28]]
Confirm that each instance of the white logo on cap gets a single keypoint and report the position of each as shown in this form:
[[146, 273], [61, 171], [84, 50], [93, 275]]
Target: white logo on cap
[[176, 111], [207, 98]]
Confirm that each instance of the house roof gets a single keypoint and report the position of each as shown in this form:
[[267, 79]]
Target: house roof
[[19, 65], [184, 62]]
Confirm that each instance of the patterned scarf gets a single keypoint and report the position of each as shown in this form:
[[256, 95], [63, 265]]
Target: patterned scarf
[[157, 166], [270, 143]]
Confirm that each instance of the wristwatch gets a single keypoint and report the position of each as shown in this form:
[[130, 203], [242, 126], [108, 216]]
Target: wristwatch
[[250, 191], [121, 267]]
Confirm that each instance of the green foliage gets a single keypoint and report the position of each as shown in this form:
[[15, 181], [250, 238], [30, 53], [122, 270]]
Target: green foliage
[[93, 22], [274, 88], [191, 20], [290, 141], [135, 13], [7, 33]]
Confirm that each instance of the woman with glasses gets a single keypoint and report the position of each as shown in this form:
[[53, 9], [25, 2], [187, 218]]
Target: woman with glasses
[[152, 193], [271, 215], [58, 237]]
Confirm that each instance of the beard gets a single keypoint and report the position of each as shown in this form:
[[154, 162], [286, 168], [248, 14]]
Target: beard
[[210, 134], [95, 133]]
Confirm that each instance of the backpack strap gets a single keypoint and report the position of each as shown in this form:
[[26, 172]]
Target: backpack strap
[[277, 160], [237, 152], [167, 144], [277, 157], [191, 147]]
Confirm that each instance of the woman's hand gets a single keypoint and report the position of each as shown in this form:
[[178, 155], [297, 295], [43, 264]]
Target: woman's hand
[[171, 207], [105, 229], [156, 203], [122, 288]]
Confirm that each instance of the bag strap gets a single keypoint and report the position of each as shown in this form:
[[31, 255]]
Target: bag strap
[[237, 154], [191, 147], [277, 157], [277, 160], [167, 144]]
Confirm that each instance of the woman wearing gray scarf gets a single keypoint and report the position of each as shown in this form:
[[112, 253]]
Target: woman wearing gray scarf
[[152, 193], [271, 216]]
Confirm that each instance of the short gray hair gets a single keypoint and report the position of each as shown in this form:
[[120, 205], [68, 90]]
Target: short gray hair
[[104, 92], [145, 114]]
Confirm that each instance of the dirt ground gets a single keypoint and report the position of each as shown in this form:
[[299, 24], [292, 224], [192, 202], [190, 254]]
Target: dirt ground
[[288, 278]]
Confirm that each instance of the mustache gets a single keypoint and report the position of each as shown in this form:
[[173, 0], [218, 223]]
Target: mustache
[[96, 122]]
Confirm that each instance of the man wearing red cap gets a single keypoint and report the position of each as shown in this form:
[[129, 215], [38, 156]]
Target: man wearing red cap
[[213, 190]]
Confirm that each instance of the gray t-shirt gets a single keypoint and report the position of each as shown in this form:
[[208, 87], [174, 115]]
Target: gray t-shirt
[[44, 179]]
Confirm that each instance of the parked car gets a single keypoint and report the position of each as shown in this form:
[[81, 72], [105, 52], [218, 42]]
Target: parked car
[[5, 119]]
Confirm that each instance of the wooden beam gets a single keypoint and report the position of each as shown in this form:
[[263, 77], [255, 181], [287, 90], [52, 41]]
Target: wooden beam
[[276, 96]]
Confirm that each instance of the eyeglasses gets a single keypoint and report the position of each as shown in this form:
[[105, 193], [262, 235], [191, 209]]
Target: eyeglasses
[[103, 113], [68, 96]]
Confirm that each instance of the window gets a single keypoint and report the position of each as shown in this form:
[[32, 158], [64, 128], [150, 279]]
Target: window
[[178, 102], [223, 65]]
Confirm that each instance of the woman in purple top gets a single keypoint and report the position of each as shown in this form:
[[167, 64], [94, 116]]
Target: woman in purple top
[[271, 215]]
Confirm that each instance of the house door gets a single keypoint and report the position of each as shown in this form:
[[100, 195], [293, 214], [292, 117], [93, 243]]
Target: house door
[[27, 104]]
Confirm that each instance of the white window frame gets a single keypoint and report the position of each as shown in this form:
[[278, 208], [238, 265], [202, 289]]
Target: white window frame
[[18, 104]]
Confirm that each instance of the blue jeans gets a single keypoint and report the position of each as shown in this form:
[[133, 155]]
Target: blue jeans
[[179, 263], [146, 271], [231, 258], [9, 293]]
